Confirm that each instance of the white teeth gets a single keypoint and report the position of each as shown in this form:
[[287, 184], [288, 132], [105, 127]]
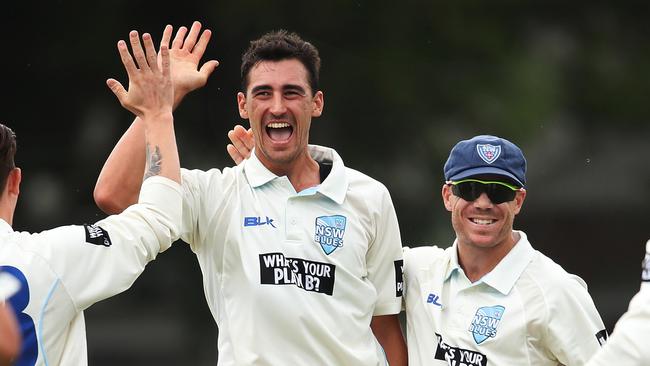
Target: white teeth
[[482, 221], [278, 125]]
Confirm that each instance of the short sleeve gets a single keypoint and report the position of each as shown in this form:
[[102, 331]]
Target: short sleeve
[[384, 258], [575, 329]]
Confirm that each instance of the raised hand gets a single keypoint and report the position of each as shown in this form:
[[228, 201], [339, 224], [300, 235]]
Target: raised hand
[[242, 143], [186, 51], [150, 90]]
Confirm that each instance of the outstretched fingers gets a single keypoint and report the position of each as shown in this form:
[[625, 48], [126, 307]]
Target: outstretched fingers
[[177, 43], [191, 38], [150, 51], [138, 52], [166, 36]]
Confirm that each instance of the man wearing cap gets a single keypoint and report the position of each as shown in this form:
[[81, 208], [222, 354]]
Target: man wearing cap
[[490, 298]]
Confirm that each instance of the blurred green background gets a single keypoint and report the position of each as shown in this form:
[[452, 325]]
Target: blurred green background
[[569, 82]]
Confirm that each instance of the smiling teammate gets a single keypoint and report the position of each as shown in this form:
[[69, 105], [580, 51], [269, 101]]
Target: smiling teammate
[[490, 298], [300, 255]]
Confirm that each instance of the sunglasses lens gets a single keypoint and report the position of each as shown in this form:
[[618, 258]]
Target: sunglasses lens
[[500, 194], [470, 191]]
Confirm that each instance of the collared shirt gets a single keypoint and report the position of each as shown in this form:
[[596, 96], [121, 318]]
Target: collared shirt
[[628, 344], [294, 279], [65, 270], [526, 311]]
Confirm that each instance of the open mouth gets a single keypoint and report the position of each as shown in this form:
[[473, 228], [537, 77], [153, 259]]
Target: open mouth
[[482, 221], [279, 131]]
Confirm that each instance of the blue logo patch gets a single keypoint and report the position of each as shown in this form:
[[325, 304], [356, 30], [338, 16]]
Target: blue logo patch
[[329, 232], [485, 322], [489, 153], [258, 221], [434, 299]]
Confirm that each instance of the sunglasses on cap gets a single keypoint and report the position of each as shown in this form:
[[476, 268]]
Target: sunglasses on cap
[[471, 189]]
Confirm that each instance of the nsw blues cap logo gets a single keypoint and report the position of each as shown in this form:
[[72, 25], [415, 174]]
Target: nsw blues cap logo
[[485, 322], [329, 232], [489, 153]]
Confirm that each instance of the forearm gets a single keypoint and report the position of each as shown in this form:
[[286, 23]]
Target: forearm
[[388, 332], [161, 151], [119, 181]]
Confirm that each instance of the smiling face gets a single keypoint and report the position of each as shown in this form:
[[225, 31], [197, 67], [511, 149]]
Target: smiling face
[[482, 224], [279, 105]]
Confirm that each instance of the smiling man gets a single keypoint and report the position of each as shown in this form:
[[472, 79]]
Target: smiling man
[[301, 256], [490, 298]]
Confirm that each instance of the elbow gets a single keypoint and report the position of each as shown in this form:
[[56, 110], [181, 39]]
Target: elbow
[[106, 200]]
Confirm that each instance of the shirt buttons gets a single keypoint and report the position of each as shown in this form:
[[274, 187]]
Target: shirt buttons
[[294, 222]]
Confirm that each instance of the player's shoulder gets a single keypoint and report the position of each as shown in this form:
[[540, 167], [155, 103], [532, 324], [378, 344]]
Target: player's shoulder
[[361, 182], [423, 256], [550, 278]]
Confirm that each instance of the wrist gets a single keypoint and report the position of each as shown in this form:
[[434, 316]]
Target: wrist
[[157, 117]]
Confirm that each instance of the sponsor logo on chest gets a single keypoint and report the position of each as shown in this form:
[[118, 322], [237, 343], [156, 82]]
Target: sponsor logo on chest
[[456, 356], [277, 269], [485, 322], [329, 232]]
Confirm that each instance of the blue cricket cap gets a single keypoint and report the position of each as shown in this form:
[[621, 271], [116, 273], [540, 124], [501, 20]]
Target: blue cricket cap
[[486, 154]]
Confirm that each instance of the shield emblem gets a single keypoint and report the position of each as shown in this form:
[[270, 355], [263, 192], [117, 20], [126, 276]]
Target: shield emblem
[[485, 322], [329, 232], [489, 153]]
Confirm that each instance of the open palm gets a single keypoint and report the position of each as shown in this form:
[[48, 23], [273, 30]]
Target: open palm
[[185, 53]]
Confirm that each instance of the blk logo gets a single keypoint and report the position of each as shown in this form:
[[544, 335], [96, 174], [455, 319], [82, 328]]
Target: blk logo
[[434, 299], [258, 221]]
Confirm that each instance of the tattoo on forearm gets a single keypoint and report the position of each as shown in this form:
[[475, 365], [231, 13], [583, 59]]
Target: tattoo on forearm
[[154, 161]]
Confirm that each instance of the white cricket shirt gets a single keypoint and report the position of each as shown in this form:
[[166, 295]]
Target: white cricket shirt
[[294, 279], [65, 270], [526, 311], [629, 344]]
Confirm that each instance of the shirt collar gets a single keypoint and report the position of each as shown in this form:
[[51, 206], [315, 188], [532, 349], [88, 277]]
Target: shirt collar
[[5, 227], [503, 277], [334, 186]]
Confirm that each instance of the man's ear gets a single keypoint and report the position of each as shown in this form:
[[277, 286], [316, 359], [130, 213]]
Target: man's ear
[[447, 197], [318, 103], [13, 181], [519, 200], [241, 104]]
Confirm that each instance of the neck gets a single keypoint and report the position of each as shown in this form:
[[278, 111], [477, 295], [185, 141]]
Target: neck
[[477, 261], [303, 171], [7, 212]]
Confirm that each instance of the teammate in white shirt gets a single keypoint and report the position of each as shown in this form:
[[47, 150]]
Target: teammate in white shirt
[[491, 299], [65, 270], [301, 256], [628, 345]]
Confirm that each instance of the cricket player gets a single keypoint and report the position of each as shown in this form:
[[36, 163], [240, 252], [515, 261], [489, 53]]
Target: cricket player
[[63, 271], [300, 255], [628, 344], [491, 298]]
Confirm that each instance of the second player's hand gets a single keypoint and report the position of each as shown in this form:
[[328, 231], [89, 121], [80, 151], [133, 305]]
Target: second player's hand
[[242, 143], [185, 52], [150, 90]]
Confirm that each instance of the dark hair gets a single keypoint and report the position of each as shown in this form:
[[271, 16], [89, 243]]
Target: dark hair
[[281, 45], [7, 152]]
